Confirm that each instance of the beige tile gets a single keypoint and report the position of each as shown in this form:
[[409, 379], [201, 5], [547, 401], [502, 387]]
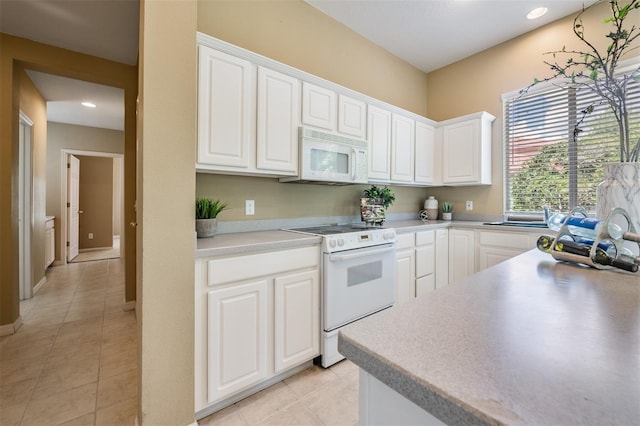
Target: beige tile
[[60, 377], [346, 368], [13, 401], [294, 415], [121, 414], [18, 370], [28, 333], [309, 380], [112, 364], [61, 407], [85, 420], [335, 405], [229, 416], [73, 348], [118, 388], [264, 404], [27, 349]]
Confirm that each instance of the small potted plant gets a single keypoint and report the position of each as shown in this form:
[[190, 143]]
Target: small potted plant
[[374, 204], [447, 209], [207, 210]]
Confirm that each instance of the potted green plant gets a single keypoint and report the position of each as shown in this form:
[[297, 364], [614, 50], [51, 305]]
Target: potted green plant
[[207, 211], [447, 210], [375, 202], [600, 72]]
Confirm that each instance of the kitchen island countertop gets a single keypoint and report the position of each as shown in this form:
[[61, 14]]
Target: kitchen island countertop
[[528, 341]]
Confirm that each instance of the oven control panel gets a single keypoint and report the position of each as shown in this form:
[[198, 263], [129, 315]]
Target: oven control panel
[[353, 240]]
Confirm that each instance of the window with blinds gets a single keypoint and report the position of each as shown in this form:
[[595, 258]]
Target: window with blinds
[[550, 163]]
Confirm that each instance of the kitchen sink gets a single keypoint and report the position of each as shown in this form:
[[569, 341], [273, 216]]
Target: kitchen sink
[[524, 224]]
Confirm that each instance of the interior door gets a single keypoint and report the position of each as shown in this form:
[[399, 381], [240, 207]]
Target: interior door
[[25, 214], [73, 201]]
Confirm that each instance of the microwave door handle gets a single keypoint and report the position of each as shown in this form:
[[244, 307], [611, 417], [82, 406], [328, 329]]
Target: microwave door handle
[[342, 257], [354, 154]]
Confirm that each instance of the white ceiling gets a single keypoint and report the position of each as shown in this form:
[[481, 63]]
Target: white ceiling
[[428, 34], [104, 28]]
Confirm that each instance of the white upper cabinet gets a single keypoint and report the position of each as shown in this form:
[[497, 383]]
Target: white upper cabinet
[[424, 154], [352, 117], [466, 150], [319, 106], [402, 149], [278, 119], [379, 131], [226, 110]]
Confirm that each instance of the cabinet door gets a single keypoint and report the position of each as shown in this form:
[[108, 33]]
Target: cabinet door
[[297, 319], [489, 256], [461, 254], [226, 109], [425, 143], [460, 149], [277, 127], [425, 253], [442, 258], [318, 106], [402, 148], [237, 338], [352, 117], [379, 131], [405, 275], [425, 285], [49, 247]]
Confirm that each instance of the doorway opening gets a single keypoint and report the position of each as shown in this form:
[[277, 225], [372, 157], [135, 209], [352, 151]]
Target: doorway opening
[[92, 205]]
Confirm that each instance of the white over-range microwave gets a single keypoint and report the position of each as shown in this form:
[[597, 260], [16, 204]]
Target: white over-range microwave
[[331, 159]]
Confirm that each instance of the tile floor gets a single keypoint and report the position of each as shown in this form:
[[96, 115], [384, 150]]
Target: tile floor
[[74, 359], [315, 396], [74, 362], [100, 254]]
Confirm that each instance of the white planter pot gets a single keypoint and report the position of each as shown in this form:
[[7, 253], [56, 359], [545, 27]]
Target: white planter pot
[[206, 228], [446, 216], [620, 188]]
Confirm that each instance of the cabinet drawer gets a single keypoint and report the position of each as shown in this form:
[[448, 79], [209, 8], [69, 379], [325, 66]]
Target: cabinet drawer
[[404, 241], [505, 240], [425, 237], [239, 268]]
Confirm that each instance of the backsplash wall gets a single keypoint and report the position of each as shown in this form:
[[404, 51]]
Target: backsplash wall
[[275, 200]]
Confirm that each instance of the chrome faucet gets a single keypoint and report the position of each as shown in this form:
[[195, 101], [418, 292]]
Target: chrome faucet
[[546, 214]]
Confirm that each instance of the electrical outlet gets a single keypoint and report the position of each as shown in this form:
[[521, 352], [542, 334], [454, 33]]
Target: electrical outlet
[[91, 235], [249, 207], [469, 205]]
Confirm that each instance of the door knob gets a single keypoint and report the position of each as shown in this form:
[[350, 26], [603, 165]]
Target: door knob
[[80, 212], [133, 224]]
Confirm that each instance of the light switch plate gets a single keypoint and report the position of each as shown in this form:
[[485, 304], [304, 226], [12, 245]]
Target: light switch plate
[[469, 205]]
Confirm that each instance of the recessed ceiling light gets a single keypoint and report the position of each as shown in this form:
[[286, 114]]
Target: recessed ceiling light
[[89, 104], [536, 13]]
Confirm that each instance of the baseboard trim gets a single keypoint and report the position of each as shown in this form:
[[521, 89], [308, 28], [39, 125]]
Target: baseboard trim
[[40, 284], [129, 306], [9, 329]]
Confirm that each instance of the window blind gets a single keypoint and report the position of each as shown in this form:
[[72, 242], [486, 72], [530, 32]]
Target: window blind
[[547, 162]]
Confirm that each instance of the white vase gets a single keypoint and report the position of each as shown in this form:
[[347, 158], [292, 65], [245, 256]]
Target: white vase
[[620, 188]]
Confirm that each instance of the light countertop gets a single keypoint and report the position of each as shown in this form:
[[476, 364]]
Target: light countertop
[[528, 341], [247, 242]]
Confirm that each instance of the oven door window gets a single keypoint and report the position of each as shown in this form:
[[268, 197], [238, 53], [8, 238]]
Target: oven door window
[[364, 273]]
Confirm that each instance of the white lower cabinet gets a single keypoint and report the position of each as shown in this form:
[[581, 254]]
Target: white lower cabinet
[[442, 258], [297, 323], [495, 247], [425, 262], [257, 316], [462, 250], [405, 268], [49, 243], [237, 338]]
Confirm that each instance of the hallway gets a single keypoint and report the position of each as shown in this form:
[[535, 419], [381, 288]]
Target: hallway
[[74, 359]]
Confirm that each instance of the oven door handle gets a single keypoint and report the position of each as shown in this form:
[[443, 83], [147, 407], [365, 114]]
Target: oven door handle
[[342, 257]]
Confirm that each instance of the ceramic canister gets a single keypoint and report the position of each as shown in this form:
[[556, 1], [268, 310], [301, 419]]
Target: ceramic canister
[[431, 206]]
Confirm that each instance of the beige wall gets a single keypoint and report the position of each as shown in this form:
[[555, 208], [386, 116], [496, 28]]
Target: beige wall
[[294, 33], [96, 202], [17, 54], [478, 82], [166, 224], [72, 137], [34, 106]]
